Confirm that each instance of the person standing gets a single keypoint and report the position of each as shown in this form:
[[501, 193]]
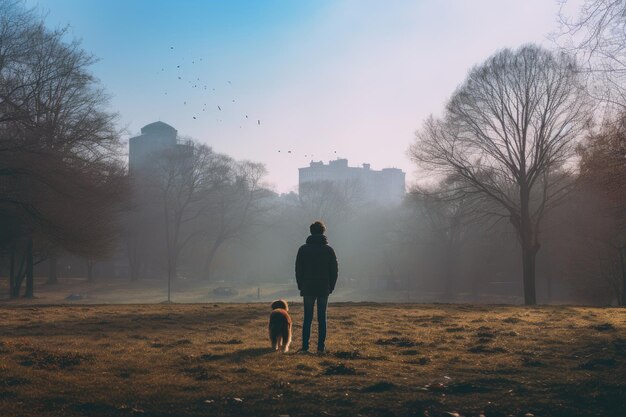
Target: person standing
[[316, 275]]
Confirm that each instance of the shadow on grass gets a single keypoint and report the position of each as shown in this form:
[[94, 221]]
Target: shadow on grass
[[238, 355]]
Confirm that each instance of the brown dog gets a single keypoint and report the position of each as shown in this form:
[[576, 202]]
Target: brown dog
[[280, 326]]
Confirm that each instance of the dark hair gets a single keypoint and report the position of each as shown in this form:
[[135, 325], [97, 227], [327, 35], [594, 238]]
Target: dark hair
[[317, 228], [280, 304]]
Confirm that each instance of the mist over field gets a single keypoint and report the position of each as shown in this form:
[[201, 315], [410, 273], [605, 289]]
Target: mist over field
[[510, 192], [194, 195]]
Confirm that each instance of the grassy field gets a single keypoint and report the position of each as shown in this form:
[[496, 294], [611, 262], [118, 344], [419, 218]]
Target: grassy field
[[123, 291], [384, 360]]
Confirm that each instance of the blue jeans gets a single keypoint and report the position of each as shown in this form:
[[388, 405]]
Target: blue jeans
[[322, 303]]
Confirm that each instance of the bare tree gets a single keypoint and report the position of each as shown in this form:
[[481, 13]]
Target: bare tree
[[603, 173], [187, 177], [597, 37], [60, 177], [235, 208], [507, 133], [331, 201], [448, 212]]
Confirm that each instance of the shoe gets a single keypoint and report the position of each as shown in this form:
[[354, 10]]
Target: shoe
[[303, 351], [322, 351]]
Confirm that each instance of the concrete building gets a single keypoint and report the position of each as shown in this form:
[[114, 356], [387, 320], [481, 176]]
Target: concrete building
[[155, 139], [385, 187]]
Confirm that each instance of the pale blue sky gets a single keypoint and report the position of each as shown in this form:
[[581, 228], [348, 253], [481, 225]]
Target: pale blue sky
[[355, 77]]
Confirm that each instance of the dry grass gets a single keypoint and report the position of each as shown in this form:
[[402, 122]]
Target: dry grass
[[385, 360]]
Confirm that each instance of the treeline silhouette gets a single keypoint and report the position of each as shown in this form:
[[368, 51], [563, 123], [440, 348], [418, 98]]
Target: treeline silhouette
[[520, 196]]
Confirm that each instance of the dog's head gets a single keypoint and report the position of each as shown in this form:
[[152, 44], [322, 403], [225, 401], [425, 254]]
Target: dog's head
[[280, 304]]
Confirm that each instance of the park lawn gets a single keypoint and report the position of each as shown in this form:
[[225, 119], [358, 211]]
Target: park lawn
[[384, 360]]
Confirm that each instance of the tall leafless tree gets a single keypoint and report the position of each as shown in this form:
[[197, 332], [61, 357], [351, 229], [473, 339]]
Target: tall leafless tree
[[187, 177], [235, 208], [60, 177], [507, 133]]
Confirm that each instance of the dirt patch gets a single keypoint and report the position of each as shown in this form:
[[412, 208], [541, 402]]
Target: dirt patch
[[511, 320], [339, 369], [12, 381], [225, 342], [41, 359], [455, 329], [200, 373], [381, 386], [598, 363], [604, 327], [486, 349], [421, 361], [353, 354], [398, 341]]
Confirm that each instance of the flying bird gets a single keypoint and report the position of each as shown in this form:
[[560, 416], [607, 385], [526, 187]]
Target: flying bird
[[258, 122], [194, 117], [219, 108]]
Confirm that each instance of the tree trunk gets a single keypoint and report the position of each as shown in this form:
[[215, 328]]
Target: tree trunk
[[30, 284], [53, 276], [209, 259], [171, 271], [529, 247], [90, 265], [549, 286], [134, 259], [17, 274], [134, 271], [529, 255], [449, 268], [622, 258], [12, 273]]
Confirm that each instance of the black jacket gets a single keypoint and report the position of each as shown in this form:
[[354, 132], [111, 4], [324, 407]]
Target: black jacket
[[316, 267]]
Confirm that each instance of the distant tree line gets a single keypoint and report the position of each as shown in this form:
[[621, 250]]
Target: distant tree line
[[65, 192], [522, 194], [186, 207]]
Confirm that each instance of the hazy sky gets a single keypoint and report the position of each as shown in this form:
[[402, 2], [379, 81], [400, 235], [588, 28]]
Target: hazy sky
[[353, 79]]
